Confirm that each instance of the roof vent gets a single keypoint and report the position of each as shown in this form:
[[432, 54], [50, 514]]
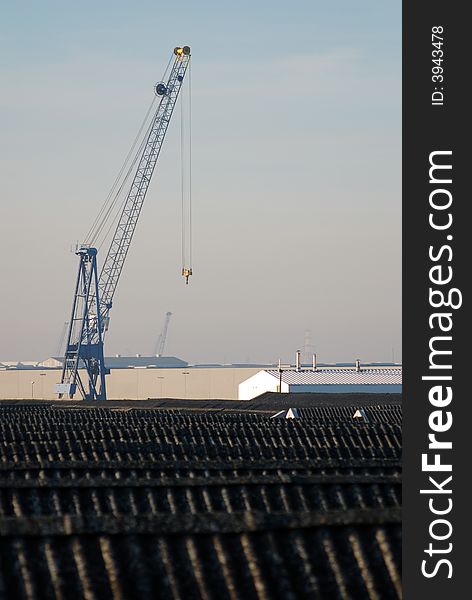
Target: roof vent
[[314, 362], [360, 414], [291, 413], [358, 365], [297, 361]]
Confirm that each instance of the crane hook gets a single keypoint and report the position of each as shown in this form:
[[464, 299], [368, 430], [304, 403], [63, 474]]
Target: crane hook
[[186, 272]]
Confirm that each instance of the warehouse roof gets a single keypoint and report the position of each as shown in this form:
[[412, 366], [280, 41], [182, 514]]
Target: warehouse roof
[[123, 362], [198, 506], [374, 376], [126, 362]]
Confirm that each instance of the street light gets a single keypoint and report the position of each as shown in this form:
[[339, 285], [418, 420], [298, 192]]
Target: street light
[[185, 381], [161, 378], [41, 391], [32, 389]]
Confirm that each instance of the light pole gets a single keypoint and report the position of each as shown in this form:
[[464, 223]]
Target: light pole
[[32, 389], [185, 381], [161, 378], [41, 380]]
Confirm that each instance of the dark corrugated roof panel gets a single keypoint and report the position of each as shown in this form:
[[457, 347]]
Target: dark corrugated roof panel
[[100, 503], [370, 376]]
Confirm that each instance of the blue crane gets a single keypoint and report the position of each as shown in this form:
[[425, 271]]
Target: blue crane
[[93, 295]]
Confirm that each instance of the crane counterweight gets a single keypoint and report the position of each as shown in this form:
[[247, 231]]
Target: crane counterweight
[[160, 89]]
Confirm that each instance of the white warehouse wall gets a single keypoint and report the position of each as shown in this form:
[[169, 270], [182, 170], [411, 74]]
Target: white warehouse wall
[[264, 381], [133, 384], [258, 384]]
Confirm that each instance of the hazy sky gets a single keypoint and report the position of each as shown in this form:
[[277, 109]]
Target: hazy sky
[[296, 174]]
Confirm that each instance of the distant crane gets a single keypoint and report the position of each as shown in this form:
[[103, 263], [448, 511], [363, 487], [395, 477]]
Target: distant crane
[[93, 295], [161, 340]]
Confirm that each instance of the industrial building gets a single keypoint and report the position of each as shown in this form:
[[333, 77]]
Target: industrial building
[[125, 362], [154, 377], [134, 381], [356, 379]]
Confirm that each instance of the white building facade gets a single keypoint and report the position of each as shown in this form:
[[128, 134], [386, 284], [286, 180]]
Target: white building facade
[[343, 380]]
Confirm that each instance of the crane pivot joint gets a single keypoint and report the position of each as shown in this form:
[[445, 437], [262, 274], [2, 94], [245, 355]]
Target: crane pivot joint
[[181, 51]]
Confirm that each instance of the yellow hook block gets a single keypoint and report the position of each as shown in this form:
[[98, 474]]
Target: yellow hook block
[[186, 272]]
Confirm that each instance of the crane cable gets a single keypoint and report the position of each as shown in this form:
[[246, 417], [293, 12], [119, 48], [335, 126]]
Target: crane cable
[[190, 159], [118, 212], [186, 182], [112, 196], [182, 205], [109, 204]]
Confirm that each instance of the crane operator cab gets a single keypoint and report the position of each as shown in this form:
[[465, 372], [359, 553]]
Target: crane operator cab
[[186, 272]]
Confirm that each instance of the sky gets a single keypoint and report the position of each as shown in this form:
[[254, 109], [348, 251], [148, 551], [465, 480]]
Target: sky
[[296, 175]]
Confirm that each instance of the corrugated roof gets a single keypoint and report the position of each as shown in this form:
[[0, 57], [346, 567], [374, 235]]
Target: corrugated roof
[[340, 376], [99, 503], [122, 362]]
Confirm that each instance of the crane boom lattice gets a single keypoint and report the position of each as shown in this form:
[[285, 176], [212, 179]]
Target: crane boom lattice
[[93, 296]]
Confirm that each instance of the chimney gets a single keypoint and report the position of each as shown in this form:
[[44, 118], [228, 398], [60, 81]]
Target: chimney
[[314, 362], [358, 365], [297, 361]]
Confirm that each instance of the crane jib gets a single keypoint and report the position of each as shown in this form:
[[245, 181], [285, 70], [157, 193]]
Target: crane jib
[[93, 296]]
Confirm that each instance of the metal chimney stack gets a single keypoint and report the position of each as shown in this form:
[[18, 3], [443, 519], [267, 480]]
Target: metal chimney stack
[[297, 361], [314, 362], [358, 365]]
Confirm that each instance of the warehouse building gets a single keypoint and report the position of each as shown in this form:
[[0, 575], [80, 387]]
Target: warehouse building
[[326, 380], [151, 377], [124, 362], [133, 382], [131, 377]]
